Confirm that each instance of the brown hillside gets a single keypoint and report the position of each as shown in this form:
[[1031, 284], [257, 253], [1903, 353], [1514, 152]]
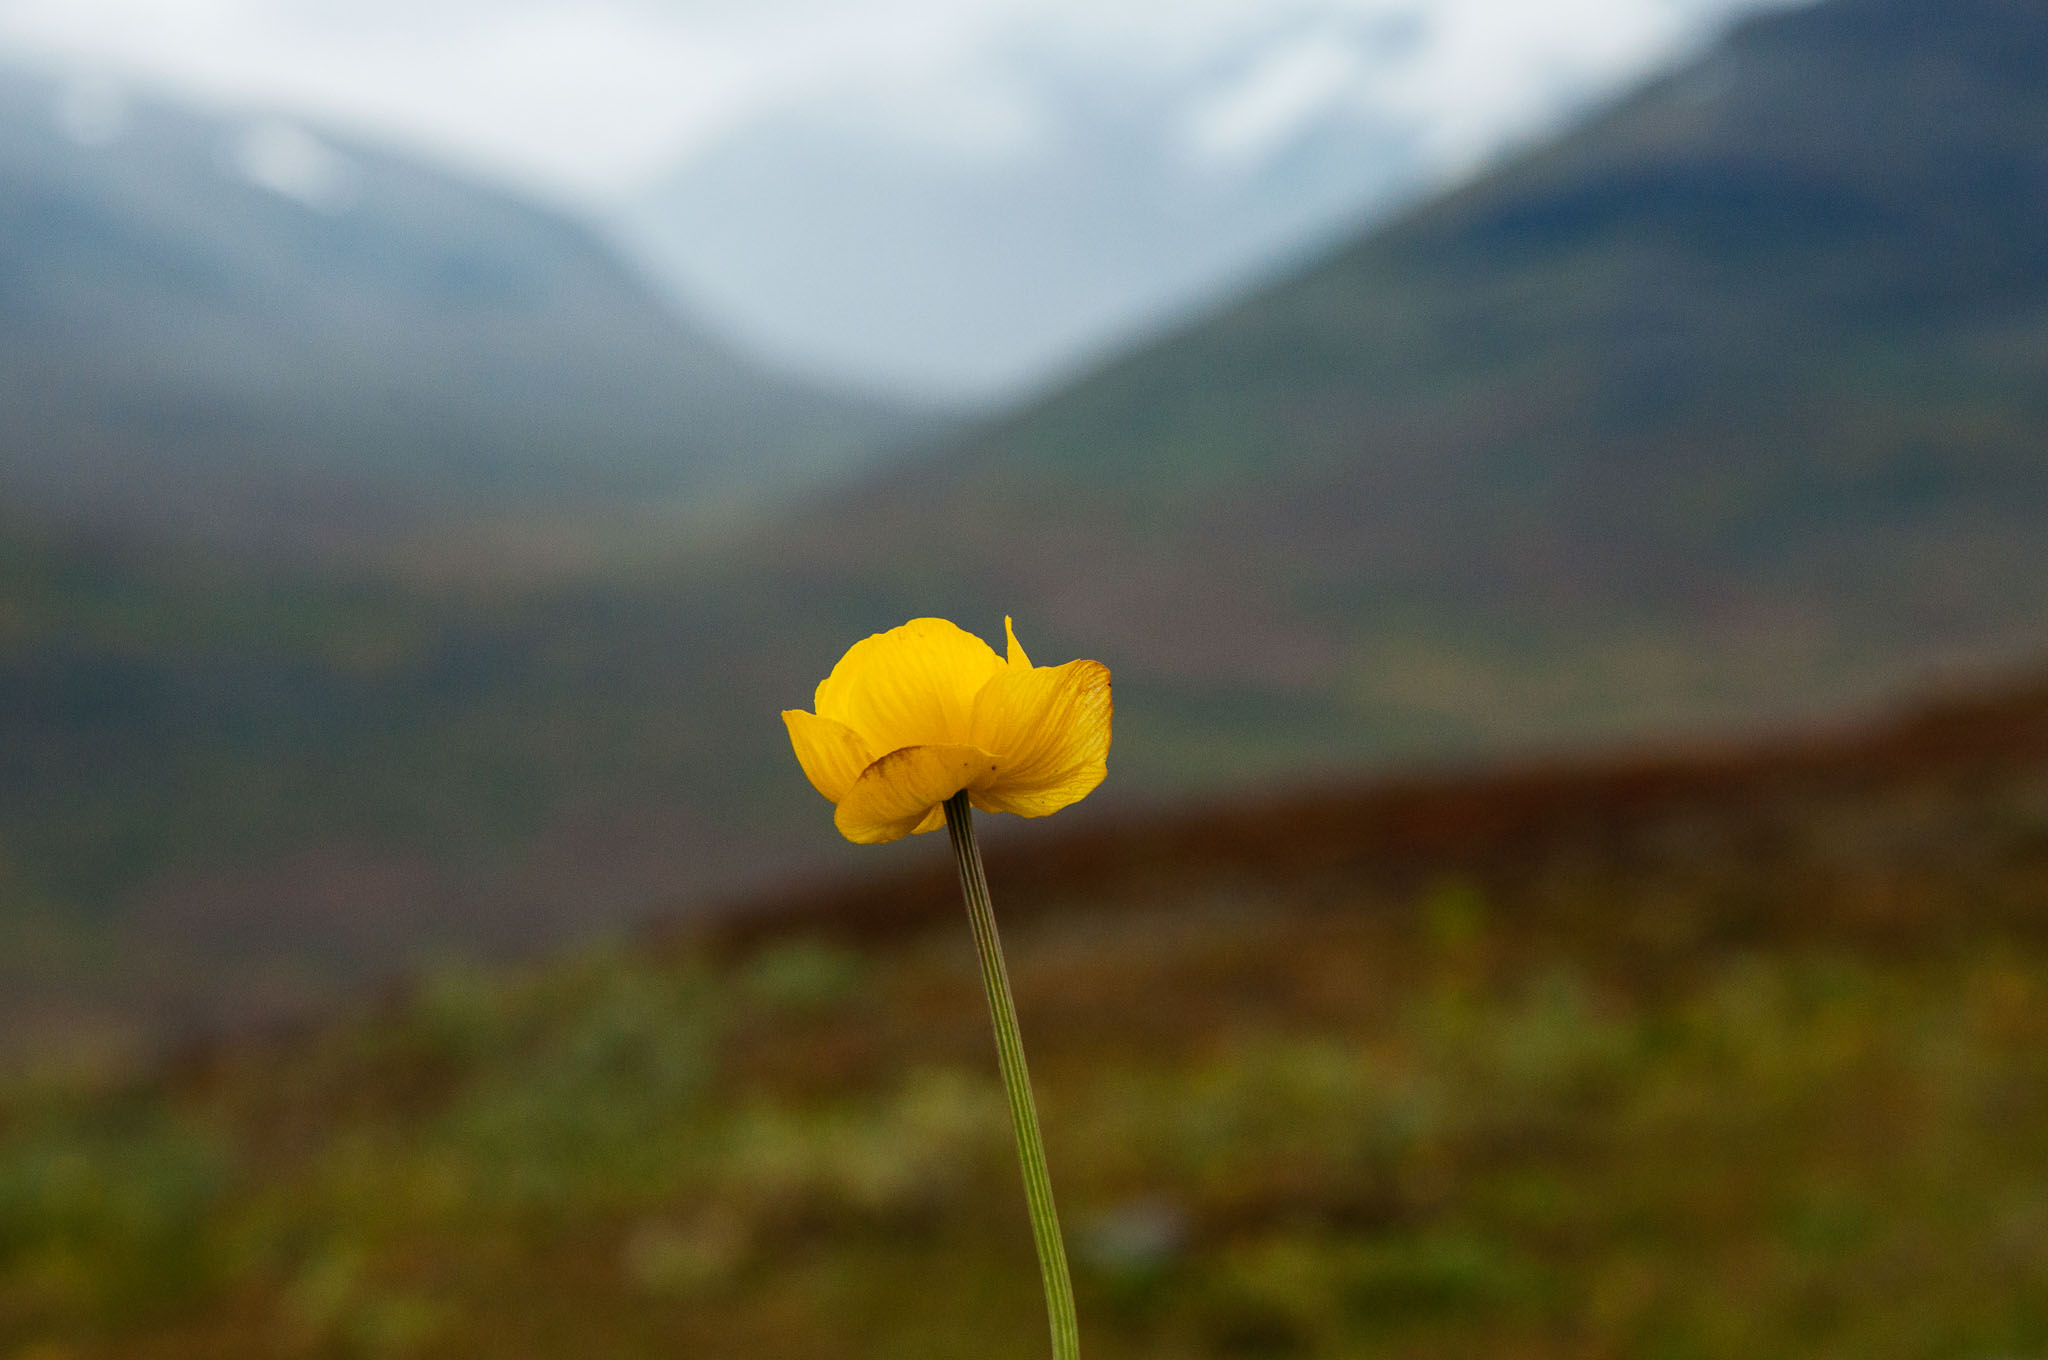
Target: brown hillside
[[1926, 785]]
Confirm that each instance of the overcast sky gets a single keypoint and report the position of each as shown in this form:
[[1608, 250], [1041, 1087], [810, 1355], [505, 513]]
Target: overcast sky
[[588, 99]]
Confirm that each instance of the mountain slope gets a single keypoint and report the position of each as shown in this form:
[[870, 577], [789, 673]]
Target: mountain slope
[[236, 327], [1724, 412], [1728, 406]]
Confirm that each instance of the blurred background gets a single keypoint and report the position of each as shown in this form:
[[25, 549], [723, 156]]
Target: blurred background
[[1562, 493]]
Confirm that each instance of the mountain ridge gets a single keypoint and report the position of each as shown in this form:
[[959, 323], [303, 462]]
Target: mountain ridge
[[1666, 388], [230, 320]]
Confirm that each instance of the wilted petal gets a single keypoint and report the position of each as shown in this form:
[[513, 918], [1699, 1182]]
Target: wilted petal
[[1049, 730], [911, 686], [832, 754], [897, 794]]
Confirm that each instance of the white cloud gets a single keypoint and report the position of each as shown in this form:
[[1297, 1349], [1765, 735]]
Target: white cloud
[[587, 98], [284, 158], [1288, 87]]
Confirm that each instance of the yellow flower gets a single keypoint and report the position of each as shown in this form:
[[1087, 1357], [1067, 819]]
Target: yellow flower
[[910, 717]]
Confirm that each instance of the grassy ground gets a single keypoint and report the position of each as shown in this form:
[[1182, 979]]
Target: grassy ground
[[1714, 1059]]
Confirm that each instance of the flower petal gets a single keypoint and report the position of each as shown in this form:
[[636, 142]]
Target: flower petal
[[1049, 729], [1018, 660], [897, 794], [911, 686], [832, 754]]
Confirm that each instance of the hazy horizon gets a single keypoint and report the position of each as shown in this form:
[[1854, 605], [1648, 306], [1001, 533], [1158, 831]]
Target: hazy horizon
[[590, 102]]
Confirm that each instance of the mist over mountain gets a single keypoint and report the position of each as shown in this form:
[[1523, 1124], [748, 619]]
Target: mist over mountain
[[244, 329], [1074, 207], [993, 231]]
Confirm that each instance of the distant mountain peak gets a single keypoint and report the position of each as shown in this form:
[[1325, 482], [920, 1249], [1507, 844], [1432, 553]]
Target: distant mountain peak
[[236, 327]]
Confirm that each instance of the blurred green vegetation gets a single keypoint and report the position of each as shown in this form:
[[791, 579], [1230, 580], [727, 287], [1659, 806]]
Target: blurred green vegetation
[[1604, 1107], [228, 789]]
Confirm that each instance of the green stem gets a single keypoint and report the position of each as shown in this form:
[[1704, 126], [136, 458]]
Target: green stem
[[1045, 1220]]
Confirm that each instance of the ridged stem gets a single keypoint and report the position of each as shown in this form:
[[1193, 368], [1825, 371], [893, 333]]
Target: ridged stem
[[995, 977]]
